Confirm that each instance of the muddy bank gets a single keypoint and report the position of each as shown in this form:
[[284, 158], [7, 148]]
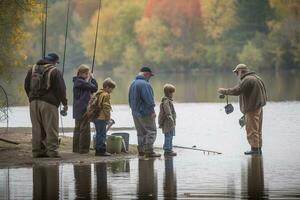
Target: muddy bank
[[20, 155], [66, 129]]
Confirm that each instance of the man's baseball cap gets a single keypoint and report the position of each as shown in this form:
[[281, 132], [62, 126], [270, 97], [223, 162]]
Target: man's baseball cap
[[240, 67], [147, 69], [53, 57]]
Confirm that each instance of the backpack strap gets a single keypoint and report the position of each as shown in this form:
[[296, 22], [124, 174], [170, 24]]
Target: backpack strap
[[33, 69], [52, 68]]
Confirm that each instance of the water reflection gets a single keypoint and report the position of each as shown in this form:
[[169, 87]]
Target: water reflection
[[103, 190], [82, 175], [147, 180], [46, 182], [120, 166], [190, 87], [140, 179], [170, 183], [255, 178]]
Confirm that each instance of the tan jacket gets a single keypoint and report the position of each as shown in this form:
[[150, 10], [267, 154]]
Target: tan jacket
[[105, 105], [251, 91], [167, 115]]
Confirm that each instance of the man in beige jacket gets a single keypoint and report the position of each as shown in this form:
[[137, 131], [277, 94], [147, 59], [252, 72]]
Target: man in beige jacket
[[252, 97]]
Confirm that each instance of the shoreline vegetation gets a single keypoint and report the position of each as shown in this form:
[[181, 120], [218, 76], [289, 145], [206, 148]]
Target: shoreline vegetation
[[165, 35], [20, 155]]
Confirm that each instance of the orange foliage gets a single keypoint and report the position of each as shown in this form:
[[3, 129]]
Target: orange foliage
[[85, 8], [175, 12]]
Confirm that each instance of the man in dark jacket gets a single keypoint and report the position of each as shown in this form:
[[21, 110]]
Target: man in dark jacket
[[252, 97], [46, 89], [141, 102]]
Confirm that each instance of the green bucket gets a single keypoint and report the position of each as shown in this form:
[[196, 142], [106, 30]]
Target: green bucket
[[114, 144]]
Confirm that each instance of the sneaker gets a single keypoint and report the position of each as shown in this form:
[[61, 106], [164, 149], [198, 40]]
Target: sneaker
[[102, 154], [152, 155], [172, 153]]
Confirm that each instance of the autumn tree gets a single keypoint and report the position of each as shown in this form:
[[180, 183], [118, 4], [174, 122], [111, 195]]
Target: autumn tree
[[12, 32], [117, 37]]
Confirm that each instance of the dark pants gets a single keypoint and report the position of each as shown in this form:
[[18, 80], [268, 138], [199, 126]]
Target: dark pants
[[100, 126], [81, 136]]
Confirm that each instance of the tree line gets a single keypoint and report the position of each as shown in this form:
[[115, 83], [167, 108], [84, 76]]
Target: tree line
[[166, 35]]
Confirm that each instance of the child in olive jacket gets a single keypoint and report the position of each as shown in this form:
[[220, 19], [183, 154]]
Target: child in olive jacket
[[104, 116], [167, 119]]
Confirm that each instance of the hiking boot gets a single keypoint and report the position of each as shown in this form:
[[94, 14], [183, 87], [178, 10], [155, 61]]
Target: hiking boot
[[171, 153], [102, 154], [152, 155], [141, 153], [253, 151]]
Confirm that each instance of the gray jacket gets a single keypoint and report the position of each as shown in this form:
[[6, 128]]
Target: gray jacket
[[167, 115]]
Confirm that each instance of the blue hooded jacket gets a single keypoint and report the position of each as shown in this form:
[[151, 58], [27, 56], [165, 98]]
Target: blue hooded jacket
[[141, 97], [82, 91]]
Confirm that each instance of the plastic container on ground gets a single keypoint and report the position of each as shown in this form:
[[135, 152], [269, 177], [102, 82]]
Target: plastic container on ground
[[125, 137], [114, 144]]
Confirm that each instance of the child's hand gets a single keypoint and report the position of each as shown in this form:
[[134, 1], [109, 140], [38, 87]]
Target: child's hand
[[88, 77], [91, 75]]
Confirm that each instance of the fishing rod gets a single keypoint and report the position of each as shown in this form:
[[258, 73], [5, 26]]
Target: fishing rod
[[42, 21], [62, 113], [66, 37], [96, 37], [45, 29], [196, 149]]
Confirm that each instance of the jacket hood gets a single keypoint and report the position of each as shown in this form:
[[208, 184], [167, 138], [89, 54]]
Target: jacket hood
[[101, 91], [247, 74], [141, 77], [166, 98], [43, 62]]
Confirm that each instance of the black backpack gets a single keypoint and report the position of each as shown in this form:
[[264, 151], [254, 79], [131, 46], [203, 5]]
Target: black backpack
[[40, 79]]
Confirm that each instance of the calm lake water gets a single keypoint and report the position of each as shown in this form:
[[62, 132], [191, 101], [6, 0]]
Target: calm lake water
[[191, 87], [191, 175]]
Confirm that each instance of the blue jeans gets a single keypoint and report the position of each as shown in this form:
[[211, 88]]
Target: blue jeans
[[100, 126], [168, 145]]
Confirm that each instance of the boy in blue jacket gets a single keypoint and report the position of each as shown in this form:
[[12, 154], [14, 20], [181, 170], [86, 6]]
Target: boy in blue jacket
[[84, 86]]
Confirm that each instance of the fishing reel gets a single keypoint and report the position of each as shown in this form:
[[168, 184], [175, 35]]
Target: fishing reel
[[63, 113], [229, 107]]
